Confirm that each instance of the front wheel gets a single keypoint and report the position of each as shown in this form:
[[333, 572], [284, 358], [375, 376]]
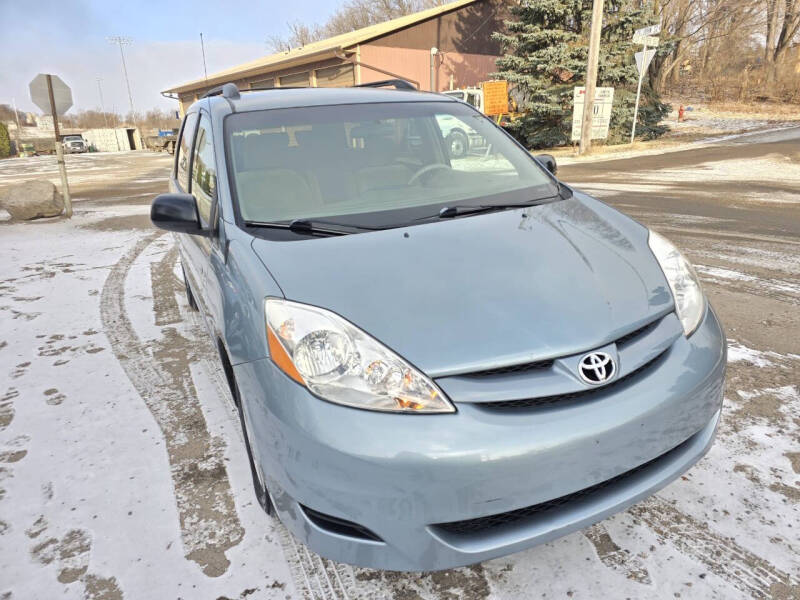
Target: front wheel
[[259, 485]]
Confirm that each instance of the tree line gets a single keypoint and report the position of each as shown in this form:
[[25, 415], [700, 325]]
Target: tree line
[[723, 50], [95, 119]]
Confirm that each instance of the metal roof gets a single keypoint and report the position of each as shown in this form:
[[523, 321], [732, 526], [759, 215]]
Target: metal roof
[[332, 47]]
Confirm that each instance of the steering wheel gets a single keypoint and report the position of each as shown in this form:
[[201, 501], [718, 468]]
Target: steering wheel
[[426, 169]]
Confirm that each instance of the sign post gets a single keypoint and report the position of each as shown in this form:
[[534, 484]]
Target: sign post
[[647, 36], [51, 94]]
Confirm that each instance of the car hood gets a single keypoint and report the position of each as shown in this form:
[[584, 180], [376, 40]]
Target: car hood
[[485, 291]]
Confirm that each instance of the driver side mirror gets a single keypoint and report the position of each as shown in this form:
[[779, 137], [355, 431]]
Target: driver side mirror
[[176, 212], [548, 161]]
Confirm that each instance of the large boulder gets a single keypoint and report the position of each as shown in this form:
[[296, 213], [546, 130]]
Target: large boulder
[[32, 199]]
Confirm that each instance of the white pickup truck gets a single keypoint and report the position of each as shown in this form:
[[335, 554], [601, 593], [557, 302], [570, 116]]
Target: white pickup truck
[[73, 144]]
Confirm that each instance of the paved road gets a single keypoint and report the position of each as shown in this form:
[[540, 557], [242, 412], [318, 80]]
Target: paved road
[[742, 186]]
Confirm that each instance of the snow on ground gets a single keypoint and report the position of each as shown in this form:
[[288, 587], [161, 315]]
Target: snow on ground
[[88, 474], [123, 471]]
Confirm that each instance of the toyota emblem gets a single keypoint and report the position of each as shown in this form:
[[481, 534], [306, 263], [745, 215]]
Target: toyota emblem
[[597, 368]]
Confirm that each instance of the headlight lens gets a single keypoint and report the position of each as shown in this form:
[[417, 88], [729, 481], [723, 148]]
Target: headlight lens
[[340, 363], [690, 303]]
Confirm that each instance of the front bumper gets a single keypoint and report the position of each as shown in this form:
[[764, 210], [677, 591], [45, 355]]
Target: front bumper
[[400, 475]]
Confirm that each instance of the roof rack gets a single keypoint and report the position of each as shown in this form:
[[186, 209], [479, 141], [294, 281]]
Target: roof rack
[[231, 91], [226, 90], [399, 84]]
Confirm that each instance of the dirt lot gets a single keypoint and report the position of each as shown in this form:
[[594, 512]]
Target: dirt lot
[[122, 466]]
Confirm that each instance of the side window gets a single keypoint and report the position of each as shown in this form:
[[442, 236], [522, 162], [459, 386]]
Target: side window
[[204, 171], [182, 160]]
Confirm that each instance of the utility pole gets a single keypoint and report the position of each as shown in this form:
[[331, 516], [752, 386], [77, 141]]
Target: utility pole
[[591, 76], [203, 48], [19, 129], [124, 41], [434, 52], [102, 107]]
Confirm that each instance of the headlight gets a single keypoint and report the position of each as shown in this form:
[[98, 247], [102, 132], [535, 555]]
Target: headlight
[[340, 363], [690, 303]]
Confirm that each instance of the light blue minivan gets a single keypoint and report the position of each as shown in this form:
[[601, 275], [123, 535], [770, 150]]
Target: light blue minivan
[[437, 359]]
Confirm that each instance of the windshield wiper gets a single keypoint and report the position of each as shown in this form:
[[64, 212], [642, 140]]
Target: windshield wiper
[[450, 212], [312, 226], [301, 226]]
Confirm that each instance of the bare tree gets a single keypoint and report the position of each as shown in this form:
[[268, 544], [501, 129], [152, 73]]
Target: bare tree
[[783, 19], [299, 35], [352, 15]]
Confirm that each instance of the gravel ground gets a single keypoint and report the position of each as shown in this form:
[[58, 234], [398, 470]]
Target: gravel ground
[[122, 466]]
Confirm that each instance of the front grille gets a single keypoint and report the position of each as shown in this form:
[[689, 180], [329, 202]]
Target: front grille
[[588, 394], [470, 526], [546, 364], [521, 368], [340, 526]]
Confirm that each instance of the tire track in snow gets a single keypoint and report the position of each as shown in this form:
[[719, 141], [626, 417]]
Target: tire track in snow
[[315, 578], [746, 571], [160, 373], [614, 557], [336, 580]]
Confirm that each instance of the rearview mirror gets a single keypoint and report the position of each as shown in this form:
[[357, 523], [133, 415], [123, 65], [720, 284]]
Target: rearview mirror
[[176, 212], [548, 162]]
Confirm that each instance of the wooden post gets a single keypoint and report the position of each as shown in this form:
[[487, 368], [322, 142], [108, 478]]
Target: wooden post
[[591, 76], [59, 152]]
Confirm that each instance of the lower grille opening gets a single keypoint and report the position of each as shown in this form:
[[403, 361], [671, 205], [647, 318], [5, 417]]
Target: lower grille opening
[[339, 526], [480, 524]]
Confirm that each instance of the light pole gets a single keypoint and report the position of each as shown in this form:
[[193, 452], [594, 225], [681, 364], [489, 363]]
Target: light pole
[[203, 48], [591, 76], [102, 107], [124, 41]]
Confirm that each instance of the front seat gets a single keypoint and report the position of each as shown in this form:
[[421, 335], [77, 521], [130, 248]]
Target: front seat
[[268, 188]]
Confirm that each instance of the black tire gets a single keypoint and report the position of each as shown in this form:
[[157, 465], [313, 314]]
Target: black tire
[[259, 486], [189, 294], [457, 144]]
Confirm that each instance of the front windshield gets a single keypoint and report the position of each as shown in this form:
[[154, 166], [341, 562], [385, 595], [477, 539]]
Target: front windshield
[[372, 163]]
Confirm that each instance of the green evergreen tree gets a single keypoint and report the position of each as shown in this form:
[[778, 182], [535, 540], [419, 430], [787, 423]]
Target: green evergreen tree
[[545, 53], [5, 141]]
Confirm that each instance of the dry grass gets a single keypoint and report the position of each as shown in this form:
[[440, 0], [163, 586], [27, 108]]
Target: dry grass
[[767, 111]]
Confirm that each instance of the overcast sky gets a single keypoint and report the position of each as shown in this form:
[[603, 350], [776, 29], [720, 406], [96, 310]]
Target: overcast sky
[[68, 38]]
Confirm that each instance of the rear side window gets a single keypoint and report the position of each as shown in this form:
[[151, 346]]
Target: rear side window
[[182, 160], [204, 171]]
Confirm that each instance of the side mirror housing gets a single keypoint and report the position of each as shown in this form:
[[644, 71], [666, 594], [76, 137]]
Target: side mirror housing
[[548, 162], [176, 212]]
